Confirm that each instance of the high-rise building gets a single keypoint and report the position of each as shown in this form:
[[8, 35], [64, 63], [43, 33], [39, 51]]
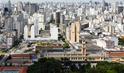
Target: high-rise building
[[74, 32], [62, 19], [54, 32], [9, 6], [32, 32], [36, 26], [79, 11], [1, 4], [18, 23], [57, 18], [26, 32], [39, 22], [31, 8], [120, 9], [9, 23], [20, 6], [68, 33]]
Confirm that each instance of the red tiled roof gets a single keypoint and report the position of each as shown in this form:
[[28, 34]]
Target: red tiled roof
[[21, 55], [20, 69], [115, 54], [24, 70], [21, 61]]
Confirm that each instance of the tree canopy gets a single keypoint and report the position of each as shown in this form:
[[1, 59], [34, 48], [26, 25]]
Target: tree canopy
[[50, 65]]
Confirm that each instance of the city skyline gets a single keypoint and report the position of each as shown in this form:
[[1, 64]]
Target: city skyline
[[37, 1], [61, 36]]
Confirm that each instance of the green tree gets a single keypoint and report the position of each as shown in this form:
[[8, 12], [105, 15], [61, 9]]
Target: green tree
[[66, 45], [45, 65], [111, 71], [50, 65]]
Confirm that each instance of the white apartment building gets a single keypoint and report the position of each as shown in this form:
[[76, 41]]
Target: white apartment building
[[53, 33]]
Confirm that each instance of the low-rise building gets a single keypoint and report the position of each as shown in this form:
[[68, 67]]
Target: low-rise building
[[20, 59], [7, 39], [76, 55], [115, 56], [13, 69]]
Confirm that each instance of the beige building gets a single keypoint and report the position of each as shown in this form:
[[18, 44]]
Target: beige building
[[72, 55], [73, 32]]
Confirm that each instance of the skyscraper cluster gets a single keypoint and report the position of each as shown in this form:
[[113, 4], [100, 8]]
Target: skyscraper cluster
[[78, 31]]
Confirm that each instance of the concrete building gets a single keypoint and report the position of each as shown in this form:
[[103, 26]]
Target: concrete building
[[21, 59], [114, 56], [52, 33], [32, 32], [38, 20], [57, 18], [74, 32], [36, 30], [92, 11], [68, 33], [26, 32], [71, 55], [79, 11], [7, 39], [120, 9], [20, 6], [31, 8], [13, 69], [9, 23], [19, 23], [107, 43], [57, 51]]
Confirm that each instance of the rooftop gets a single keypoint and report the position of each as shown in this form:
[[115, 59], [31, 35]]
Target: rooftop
[[13, 69], [115, 54]]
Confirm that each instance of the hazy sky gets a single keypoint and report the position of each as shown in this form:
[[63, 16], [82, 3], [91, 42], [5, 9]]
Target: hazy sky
[[1, 1]]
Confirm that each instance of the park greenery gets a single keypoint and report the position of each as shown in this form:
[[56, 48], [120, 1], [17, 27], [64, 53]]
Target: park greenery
[[66, 45], [51, 65], [121, 41]]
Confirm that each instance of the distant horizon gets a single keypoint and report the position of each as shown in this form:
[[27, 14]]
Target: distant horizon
[[38, 1]]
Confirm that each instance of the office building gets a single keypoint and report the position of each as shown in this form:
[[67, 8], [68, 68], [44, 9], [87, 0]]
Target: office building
[[74, 32]]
